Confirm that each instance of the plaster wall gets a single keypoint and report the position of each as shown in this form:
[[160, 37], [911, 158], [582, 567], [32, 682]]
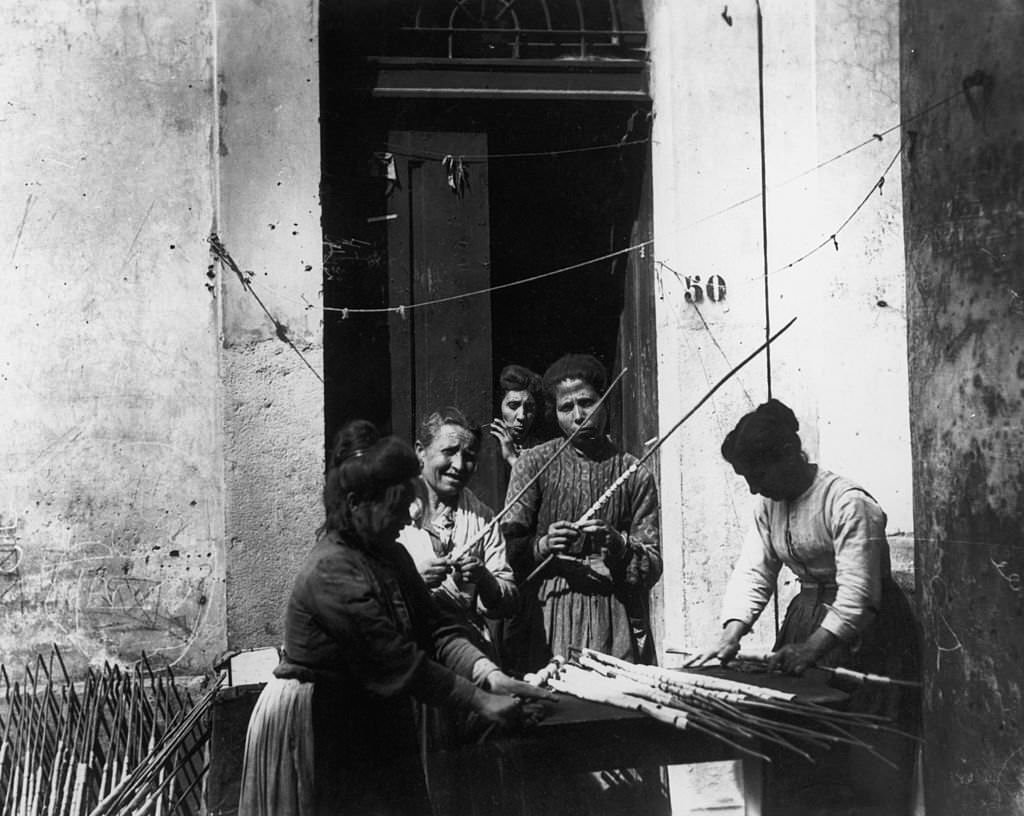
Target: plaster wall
[[964, 214], [269, 219], [160, 439], [831, 81], [111, 482]]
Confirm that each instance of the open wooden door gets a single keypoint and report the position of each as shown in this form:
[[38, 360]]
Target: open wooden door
[[439, 247]]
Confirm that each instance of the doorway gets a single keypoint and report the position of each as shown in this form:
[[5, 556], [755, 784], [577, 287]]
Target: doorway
[[429, 195]]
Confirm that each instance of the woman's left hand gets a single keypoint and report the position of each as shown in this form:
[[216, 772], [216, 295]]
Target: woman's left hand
[[500, 683], [604, 535], [471, 569], [796, 658]]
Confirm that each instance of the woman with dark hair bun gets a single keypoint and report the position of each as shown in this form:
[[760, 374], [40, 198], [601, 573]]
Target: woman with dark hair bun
[[521, 403], [831, 533], [334, 731]]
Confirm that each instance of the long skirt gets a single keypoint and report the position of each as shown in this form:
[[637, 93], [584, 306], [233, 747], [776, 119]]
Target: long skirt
[[277, 773], [856, 777], [313, 750]]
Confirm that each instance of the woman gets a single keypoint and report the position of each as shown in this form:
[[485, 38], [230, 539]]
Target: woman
[[522, 398], [448, 516], [334, 731], [831, 533], [594, 592]]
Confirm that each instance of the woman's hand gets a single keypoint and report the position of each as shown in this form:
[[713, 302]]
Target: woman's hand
[[725, 649], [500, 683], [793, 658], [511, 703], [559, 536], [471, 569], [500, 431], [796, 658], [605, 536], [433, 570]]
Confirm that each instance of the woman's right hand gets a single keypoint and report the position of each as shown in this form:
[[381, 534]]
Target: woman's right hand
[[500, 709], [511, 712], [434, 570], [559, 536], [500, 431], [727, 647]]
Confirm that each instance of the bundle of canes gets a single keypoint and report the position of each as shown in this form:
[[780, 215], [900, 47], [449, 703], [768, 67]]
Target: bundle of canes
[[70, 745], [724, 709], [621, 480], [458, 552]]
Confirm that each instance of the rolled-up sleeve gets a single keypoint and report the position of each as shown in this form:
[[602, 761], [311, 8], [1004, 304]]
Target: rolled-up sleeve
[[752, 582], [496, 561], [861, 550]]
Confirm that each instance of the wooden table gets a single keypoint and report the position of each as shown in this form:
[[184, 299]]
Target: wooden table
[[504, 774]]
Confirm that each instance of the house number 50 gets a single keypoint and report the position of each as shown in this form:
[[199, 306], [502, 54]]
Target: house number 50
[[714, 288]]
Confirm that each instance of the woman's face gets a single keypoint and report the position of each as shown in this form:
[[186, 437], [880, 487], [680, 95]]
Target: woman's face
[[448, 461], [518, 411], [378, 521], [778, 481], [576, 407]]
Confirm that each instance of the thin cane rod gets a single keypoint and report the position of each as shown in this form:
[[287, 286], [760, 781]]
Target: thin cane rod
[[664, 437], [459, 552], [662, 714], [184, 796], [181, 704], [166, 783], [661, 441], [837, 671]]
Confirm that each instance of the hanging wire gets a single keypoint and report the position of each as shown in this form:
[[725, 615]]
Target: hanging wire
[[430, 155], [764, 205], [833, 238], [281, 330], [875, 138], [408, 307]]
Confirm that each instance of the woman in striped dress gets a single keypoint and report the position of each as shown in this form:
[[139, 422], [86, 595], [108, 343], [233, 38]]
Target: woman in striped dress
[[594, 591]]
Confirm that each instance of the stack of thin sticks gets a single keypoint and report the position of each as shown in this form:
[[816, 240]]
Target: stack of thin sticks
[[117, 741], [742, 715]]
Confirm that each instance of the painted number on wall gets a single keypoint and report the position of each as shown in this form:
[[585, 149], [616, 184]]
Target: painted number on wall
[[695, 292]]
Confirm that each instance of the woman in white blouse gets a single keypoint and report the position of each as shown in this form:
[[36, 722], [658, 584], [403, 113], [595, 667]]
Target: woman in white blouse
[[831, 533]]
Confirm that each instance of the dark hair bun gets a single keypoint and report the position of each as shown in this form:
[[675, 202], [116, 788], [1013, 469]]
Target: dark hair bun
[[353, 440], [779, 413], [366, 465], [766, 435]]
